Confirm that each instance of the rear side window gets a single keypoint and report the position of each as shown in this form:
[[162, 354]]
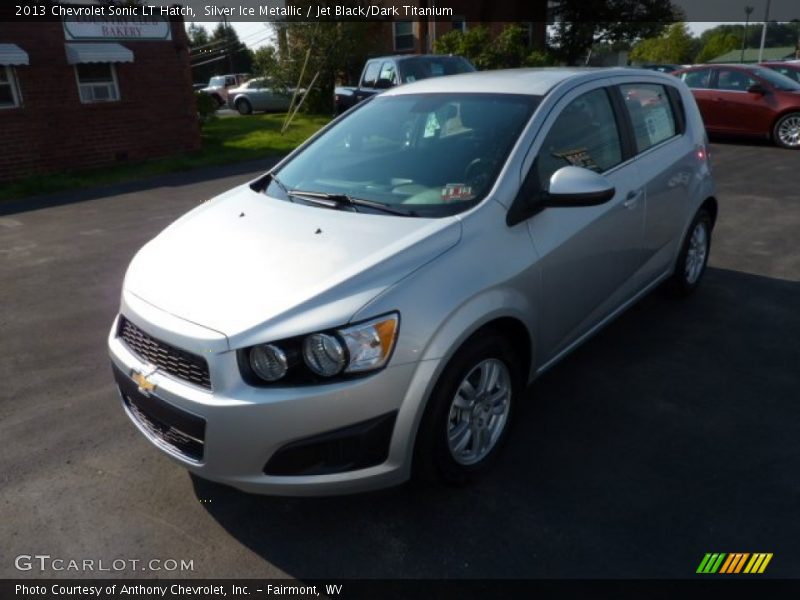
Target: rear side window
[[585, 134], [388, 73], [371, 74], [697, 79], [651, 114]]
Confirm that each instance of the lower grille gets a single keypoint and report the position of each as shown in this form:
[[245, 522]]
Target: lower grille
[[164, 423], [178, 363]]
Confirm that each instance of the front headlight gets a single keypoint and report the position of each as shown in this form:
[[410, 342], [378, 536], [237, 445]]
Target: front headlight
[[369, 345], [352, 350]]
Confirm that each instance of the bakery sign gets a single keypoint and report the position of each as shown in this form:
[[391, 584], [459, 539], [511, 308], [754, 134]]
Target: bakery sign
[[99, 28]]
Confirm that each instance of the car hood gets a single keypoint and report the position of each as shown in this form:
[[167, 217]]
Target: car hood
[[252, 267]]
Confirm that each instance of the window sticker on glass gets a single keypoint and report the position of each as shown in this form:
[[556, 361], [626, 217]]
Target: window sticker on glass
[[659, 124], [579, 157], [431, 126], [452, 192]]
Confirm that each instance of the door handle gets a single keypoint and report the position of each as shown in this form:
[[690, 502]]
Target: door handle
[[632, 199]]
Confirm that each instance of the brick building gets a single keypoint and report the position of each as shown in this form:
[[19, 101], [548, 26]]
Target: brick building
[[93, 93]]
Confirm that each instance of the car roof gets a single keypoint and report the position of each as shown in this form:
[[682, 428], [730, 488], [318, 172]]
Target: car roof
[[535, 82], [402, 57]]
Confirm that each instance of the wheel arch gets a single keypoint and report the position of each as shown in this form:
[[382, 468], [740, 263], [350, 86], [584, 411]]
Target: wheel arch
[[712, 206]]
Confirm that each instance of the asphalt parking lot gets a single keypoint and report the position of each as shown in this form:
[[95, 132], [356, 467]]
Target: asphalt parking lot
[[672, 433]]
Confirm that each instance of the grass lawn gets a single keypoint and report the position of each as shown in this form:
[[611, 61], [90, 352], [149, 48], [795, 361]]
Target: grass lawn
[[225, 140]]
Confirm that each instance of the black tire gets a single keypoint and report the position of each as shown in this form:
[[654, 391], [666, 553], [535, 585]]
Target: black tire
[[791, 122], [244, 107], [218, 99], [433, 458], [686, 279]]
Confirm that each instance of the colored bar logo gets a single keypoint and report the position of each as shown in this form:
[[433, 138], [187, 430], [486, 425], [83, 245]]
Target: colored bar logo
[[734, 562]]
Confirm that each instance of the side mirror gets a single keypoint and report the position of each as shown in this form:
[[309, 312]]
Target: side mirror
[[757, 88], [576, 186], [383, 84]]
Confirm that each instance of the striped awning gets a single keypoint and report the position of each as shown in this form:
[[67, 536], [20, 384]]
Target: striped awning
[[97, 53], [11, 54]]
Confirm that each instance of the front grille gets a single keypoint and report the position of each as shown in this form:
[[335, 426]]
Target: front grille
[[178, 363]]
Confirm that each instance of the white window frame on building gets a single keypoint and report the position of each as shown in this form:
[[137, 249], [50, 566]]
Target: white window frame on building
[[396, 35], [94, 89], [97, 89], [8, 78], [11, 55], [459, 24]]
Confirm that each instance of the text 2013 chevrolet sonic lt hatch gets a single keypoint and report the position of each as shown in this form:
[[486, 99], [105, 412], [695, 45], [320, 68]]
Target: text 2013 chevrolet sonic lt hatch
[[376, 304]]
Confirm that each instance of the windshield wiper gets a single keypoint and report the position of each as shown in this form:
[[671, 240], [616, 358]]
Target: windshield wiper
[[336, 200]]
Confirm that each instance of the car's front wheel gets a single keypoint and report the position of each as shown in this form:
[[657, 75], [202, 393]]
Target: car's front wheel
[[693, 258], [786, 132], [468, 415], [244, 107]]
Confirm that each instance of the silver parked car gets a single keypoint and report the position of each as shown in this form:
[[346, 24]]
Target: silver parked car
[[259, 94], [376, 304]]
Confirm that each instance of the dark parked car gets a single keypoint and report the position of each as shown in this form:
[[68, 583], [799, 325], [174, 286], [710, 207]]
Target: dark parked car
[[789, 69], [388, 71], [747, 100], [661, 68]]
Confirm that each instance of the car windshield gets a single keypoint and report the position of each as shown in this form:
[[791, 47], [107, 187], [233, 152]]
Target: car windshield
[[216, 82], [422, 68], [429, 155], [781, 82]]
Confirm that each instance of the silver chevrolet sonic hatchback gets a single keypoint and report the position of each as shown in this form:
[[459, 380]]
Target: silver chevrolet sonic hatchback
[[375, 304]]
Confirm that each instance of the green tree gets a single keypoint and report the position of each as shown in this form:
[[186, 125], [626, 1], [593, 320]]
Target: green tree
[[778, 34], [265, 61], [581, 24], [233, 55], [197, 34], [717, 44], [508, 50], [677, 46], [326, 50]]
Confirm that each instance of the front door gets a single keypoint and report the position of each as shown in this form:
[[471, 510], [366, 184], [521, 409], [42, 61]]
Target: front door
[[588, 255]]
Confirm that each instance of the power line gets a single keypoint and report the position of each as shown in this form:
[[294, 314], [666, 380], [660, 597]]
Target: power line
[[234, 47]]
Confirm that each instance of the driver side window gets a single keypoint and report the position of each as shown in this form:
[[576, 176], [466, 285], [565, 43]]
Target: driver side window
[[585, 134]]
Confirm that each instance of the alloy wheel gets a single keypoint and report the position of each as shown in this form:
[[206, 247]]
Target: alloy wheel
[[789, 131], [479, 411], [696, 256]]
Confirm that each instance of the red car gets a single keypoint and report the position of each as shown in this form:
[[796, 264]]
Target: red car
[[790, 69], [747, 100]]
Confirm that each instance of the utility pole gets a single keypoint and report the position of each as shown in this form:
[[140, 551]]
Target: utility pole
[[748, 10], [764, 33], [228, 41]]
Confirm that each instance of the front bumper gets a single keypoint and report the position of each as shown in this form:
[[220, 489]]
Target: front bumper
[[243, 427]]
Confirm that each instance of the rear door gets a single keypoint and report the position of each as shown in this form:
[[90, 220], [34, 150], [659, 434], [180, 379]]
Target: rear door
[[589, 255], [665, 156]]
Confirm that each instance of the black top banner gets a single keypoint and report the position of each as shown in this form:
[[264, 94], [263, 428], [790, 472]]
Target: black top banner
[[380, 10]]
